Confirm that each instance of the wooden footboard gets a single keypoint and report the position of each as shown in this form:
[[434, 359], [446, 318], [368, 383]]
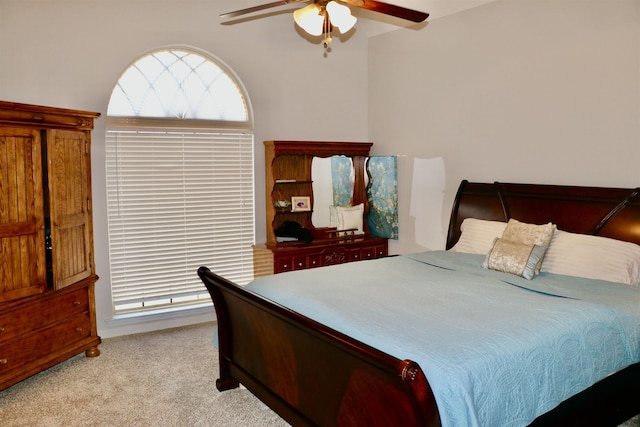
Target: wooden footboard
[[309, 374]]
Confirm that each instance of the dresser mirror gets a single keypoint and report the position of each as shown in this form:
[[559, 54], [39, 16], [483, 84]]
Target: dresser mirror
[[333, 182]]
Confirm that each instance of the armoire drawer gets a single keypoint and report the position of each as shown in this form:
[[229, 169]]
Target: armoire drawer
[[33, 315], [45, 343]]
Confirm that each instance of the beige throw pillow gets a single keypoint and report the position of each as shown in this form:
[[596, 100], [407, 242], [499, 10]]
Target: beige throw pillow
[[530, 234], [513, 257]]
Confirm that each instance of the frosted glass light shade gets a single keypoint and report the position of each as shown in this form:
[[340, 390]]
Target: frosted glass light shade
[[310, 19], [340, 16]]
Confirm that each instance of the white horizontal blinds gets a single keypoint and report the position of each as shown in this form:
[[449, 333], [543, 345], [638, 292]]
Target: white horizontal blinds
[[177, 200]]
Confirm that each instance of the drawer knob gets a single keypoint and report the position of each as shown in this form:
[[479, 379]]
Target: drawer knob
[[1, 329], [76, 302], [4, 361], [79, 329]]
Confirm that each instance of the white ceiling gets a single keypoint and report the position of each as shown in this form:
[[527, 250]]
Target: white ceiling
[[439, 8], [373, 23]]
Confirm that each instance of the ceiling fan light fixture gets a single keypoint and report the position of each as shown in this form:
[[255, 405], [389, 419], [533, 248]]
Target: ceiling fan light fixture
[[319, 18], [310, 18], [340, 16]]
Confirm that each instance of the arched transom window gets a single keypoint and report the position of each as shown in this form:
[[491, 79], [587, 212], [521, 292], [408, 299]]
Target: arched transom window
[[181, 84]]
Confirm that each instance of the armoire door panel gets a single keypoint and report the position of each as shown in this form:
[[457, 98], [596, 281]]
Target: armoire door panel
[[67, 153], [22, 237]]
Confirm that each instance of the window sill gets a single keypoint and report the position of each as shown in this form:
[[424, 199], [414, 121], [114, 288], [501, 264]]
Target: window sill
[[160, 314]]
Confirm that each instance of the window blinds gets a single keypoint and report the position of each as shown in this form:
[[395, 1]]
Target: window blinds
[[177, 200]]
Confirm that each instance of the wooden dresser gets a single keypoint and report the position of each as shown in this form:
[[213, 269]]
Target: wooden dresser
[[288, 173], [47, 272]]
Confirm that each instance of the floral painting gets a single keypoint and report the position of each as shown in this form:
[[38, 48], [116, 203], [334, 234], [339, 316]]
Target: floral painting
[[341, 175], [382, 195]]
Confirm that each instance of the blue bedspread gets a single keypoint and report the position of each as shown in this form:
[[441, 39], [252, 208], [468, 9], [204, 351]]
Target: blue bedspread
[[498, 350]]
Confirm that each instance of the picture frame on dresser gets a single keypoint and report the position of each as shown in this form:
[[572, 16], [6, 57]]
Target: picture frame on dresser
[[300, 203]]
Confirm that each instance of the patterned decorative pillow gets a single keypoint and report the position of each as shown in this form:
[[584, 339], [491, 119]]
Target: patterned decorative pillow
[[530, 234], [514, 257]]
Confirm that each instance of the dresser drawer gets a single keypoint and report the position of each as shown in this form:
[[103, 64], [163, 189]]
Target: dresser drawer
[[32, 347], [381, 251], [284, 263], [368, 253], [299, 262], [371, 252], [315, 260], [25, 318], [355, 255]]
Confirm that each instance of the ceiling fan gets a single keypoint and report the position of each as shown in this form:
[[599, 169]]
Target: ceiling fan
[[321, 16]]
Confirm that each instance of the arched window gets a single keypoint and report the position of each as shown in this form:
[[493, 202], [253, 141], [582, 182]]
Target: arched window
[[180, 185]]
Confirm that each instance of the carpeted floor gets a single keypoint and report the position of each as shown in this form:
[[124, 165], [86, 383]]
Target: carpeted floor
[[164, 378], [159, 379]]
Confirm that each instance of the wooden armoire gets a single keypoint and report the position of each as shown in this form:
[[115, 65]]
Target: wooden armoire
[[47, 271]]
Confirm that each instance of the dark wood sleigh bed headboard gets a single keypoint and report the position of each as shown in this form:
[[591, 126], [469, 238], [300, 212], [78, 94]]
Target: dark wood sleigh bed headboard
[[601, 211]]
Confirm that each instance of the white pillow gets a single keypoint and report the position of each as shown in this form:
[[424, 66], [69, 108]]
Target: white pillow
[[478, 235], [350, 217], [593, 257]]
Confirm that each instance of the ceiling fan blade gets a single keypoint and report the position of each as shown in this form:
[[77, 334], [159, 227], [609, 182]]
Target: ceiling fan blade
[[390, 9], [259, 8]]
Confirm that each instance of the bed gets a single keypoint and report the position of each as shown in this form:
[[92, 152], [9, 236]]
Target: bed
[[315, 362]]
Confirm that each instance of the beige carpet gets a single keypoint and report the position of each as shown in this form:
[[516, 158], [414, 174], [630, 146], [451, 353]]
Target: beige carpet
[[164, 378]]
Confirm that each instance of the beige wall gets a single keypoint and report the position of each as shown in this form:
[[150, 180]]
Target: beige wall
[[540, 91], [70, 53], [544, 91]]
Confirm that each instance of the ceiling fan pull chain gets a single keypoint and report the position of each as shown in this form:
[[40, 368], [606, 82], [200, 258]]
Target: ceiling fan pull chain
[[326, 30]]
